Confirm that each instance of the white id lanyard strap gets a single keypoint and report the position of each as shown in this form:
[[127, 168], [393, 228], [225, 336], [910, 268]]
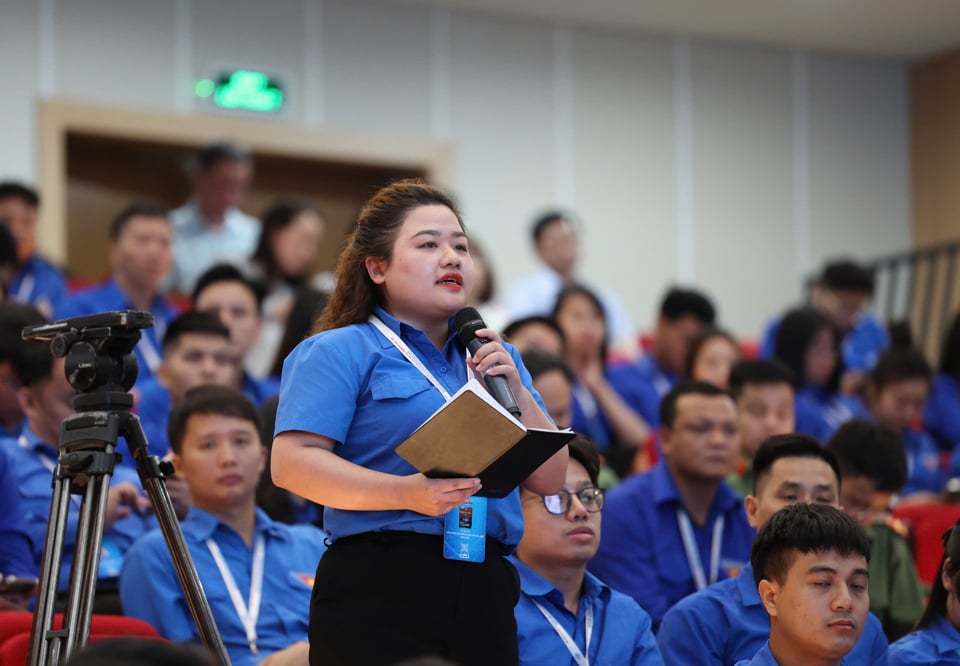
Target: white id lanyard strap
[[693, 554], [568, 642], [26, 288], [409, 355], [248, 614]]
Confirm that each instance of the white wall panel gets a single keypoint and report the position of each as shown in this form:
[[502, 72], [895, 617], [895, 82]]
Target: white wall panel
[[376, 66], [20, 71], [502, 97], [115, 52], [743, 180], [859, 157], [624, 165]]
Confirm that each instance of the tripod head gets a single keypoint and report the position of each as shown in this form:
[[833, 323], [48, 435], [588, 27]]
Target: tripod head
[[98, 354]]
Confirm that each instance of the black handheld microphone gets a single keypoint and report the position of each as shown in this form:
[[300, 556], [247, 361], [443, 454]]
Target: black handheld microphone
[[468, 322]]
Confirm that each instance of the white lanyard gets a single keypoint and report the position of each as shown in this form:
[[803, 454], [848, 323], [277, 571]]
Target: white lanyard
[[409, 355], [248, 614], [150, 354], [26, 288], [693, 554], [578, 656]]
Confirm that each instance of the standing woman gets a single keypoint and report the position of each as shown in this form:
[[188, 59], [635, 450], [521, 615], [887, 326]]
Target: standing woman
[[384, 356]]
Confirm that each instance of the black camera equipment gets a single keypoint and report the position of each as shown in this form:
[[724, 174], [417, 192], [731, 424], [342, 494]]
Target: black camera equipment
[[101, 367]]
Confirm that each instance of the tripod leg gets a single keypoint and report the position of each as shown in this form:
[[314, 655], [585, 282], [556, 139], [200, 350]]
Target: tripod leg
[[152, 479], [42, 634], [86, 562]]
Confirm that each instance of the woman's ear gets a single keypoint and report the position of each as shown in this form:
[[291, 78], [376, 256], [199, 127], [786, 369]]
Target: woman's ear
[[376, 269]]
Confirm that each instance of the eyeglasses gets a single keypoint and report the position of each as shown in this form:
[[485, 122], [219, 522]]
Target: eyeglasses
[[591, 498]]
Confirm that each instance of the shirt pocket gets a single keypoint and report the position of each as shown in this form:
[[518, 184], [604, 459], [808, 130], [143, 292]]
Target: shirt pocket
[[386, 387]]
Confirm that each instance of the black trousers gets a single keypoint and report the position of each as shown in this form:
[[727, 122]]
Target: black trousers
[[380, 598]]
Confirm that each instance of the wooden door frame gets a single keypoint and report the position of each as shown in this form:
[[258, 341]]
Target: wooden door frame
[[57, 118]]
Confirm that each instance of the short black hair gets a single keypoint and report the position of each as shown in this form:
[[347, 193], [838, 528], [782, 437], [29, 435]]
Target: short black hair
[[194, 321], [584, 451], [136, 209], [791, 445], [758, 371], [214, 153], [848, 275], [517, 324], [800, 529], [537, 363], [209, 399], [546, 219], [668, 405], [13, 190], [871, 450], [225, 272], [30, 360], [679, 302], [899, 365]]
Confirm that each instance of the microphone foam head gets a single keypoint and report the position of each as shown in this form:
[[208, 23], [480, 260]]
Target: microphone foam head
[[468, 321]]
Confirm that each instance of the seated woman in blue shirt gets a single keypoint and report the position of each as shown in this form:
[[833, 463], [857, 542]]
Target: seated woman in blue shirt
[[565, 614], [897, 388], [598, 410], [808, 344], [941, 416], [384, 359], [936, 637]]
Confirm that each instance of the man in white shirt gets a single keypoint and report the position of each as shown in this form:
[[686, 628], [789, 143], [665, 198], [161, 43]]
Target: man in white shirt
[[210, 228]]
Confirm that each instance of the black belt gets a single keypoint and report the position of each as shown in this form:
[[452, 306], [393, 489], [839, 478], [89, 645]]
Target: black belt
[[397, 537]]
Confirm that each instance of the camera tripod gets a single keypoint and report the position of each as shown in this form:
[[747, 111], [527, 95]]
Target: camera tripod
[[85, 465]]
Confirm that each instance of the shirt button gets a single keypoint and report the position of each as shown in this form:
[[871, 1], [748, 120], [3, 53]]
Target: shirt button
[[442, 370]]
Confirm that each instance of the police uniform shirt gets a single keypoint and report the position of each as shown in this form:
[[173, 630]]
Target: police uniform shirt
[[352, 385], [150, 590], [726, 623], [937, 644], [621, 631], [642, 552]]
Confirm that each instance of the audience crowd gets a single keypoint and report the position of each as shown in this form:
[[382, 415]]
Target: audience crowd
[[751, 494]]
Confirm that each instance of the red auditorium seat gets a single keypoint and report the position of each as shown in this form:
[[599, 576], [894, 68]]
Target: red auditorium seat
[[927, 523]]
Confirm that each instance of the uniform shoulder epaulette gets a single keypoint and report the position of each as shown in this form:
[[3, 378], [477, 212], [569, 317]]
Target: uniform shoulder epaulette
[[897, 525]]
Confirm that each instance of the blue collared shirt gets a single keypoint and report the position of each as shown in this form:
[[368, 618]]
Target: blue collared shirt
[[923, 463], [938, 644], [39, 283], [150, 590], [16, 549], [941, 414], [726, 623], [764, 657], [33, 462], [106, 297], [622, 634], [353, 386], [642, 385], [641, 553], [197, 246], [821, 411]]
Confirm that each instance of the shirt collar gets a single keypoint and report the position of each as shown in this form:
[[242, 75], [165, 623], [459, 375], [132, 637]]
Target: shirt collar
[[116, 295], [30, 440], [203, 525], [534, 585], [665, 491], [945, 635], [404, 330]]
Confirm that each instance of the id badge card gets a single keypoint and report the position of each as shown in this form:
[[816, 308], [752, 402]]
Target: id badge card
[[465, 531]]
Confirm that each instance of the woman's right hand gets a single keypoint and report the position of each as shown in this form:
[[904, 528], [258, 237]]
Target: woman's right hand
[[436, 497]]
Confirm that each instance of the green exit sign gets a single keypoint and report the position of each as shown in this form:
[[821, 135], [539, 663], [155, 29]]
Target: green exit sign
[[244, 90]]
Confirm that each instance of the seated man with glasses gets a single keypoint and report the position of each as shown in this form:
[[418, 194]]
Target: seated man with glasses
[[566, 615]]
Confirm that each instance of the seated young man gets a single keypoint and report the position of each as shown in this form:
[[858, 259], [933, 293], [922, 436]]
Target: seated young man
[[236, 299], [874, 468], [726, 622], [677, 528], [564, 611], [196, 351], [763, 391], [810, 565], [256, 573]]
